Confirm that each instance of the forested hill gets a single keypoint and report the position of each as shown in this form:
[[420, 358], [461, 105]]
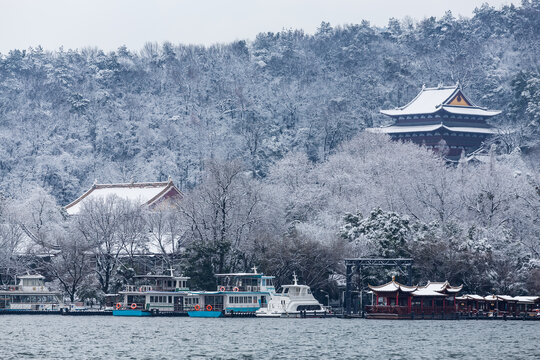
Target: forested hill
[[71, 116]]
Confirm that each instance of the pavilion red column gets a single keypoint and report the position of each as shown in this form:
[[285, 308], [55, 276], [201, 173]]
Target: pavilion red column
[[397, 298], [422, 304]]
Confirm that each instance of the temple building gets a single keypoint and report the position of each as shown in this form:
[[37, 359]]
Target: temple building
[[397, 301], [148, 193], [437, 114]]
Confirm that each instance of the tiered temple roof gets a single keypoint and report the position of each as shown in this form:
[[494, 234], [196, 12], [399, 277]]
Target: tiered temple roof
[[148, 193], [441, 113]]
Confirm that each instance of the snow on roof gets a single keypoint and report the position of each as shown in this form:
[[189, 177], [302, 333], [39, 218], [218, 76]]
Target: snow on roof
[[36, 276], [527, 299], [506, 298], [241, 274], [430, 289], [431, 100], [392, 286], [441, 286], [427, 292], [474, 297], [465, 110], [427, 101], [142, 193], [401, 129]]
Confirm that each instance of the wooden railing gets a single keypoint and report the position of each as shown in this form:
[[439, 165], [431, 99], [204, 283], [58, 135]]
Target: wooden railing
[[387, 309], [392, 309]]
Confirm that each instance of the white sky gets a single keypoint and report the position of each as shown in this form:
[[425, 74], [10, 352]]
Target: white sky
[[109, 24]]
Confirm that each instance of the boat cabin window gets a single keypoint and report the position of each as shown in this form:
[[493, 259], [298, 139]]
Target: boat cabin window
[[309, 291], [32, 282], [286, 291]]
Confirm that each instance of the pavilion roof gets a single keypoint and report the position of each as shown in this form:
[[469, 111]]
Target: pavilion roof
[[430, 289], [146, 193], [441, 287], [527, 299], [392, 286], [432, 100]]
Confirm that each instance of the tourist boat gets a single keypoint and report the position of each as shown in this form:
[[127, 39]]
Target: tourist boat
[[293, 301], [237, 293], [154, 294], [30, 294]]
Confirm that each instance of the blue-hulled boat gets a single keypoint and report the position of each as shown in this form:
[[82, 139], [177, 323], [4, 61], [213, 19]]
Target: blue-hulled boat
[[239, 293], [153, 294], [131, 312]]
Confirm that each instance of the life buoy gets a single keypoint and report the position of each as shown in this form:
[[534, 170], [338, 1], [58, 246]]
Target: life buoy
[[222, 288], [197, 307], [133, 306], [236, 289], [208, 307], [118, 306]]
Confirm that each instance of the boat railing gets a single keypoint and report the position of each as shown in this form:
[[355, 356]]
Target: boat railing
[[11, 288], [247, 288]]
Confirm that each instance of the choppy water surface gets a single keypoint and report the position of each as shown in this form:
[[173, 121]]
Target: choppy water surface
[[66, 337]]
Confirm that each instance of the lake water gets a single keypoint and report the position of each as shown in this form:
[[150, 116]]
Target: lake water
[[67, 337]]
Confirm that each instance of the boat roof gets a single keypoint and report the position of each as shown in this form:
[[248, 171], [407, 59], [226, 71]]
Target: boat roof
[[36, 276], [162, 277]]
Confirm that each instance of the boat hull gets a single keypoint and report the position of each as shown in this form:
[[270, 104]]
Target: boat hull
[[129, 312], [205, 314]]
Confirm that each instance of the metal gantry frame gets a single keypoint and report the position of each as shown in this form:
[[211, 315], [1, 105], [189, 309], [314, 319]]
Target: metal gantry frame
[[357, 265]]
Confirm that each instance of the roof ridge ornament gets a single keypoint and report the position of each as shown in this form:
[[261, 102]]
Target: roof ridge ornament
[[95, 182], [423, 86]]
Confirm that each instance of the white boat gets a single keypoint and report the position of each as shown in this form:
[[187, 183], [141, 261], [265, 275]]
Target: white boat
[[293, 301], [30, 294]]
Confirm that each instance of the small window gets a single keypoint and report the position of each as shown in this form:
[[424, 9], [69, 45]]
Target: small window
[[151, 299], [170, 299]]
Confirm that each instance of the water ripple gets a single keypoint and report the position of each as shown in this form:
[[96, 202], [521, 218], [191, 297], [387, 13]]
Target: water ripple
[[64, 337]]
